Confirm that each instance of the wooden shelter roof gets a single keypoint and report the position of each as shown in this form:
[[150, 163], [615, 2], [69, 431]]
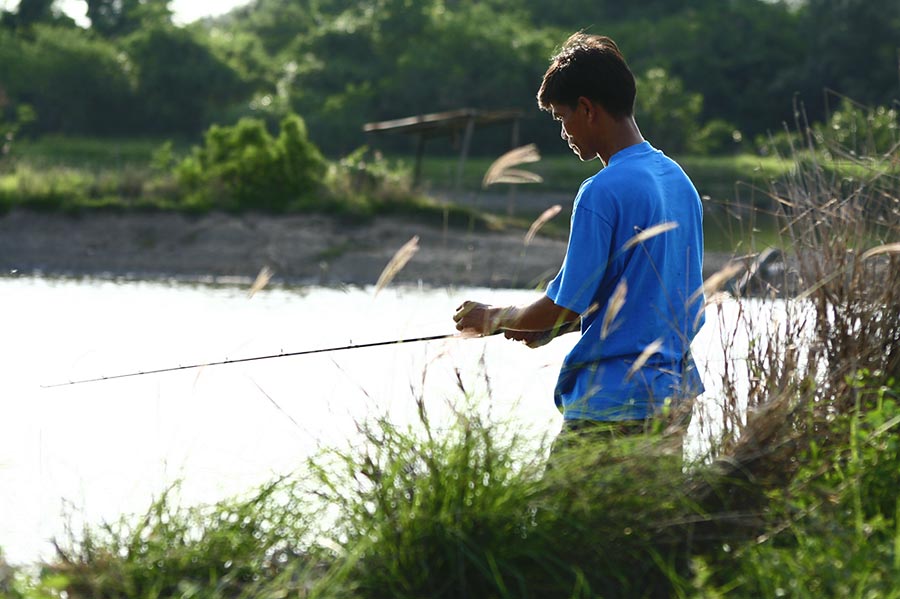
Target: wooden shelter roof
[[443, 122], [458, 124]]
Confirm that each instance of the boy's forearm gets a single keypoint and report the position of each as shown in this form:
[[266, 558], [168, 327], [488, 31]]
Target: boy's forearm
[[541, 315]]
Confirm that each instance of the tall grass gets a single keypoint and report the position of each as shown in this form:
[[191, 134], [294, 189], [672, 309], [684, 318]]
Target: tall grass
[[810, 410]]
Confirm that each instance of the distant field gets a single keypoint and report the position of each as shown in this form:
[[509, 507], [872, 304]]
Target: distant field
[[82, 152], [715, 176]]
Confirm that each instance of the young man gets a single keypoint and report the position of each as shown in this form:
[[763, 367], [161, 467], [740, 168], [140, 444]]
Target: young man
[[631, 281]]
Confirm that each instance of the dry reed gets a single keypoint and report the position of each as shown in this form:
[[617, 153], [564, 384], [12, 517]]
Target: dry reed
[[545, 217], [397, 263], [806, 352], [502, 170]]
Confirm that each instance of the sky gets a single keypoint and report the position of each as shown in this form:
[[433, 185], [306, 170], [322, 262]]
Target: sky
[[184, 11]]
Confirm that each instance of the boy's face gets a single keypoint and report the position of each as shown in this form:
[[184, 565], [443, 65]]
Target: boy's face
[[575, 127]]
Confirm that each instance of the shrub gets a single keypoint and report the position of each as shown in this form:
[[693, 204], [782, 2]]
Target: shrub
[[860, 130], [243, 167]]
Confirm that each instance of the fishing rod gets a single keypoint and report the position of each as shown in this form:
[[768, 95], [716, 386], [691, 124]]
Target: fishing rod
[[257, 358]]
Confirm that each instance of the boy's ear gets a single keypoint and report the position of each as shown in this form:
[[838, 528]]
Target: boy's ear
[[587, 105], [592, 110]]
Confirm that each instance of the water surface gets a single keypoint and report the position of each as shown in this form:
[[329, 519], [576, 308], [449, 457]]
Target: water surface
[[106, 448]]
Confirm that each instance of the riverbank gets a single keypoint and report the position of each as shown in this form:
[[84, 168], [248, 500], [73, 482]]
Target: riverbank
[[300, 249]]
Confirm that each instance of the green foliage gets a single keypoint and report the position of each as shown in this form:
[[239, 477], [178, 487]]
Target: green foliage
[[718, 137], [75, 83], [429, 514], [33, 11], [860, 130], [468, 507], [179, 80], [734, 54], [342, 63], [112, 18], [389, 58], [457, 509], [20, 117], [833, 58], [222, 550], [835, 531], [244, 167], [77, 174], [668, 115]]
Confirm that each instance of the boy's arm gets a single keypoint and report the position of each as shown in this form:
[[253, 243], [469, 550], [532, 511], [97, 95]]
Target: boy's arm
[[541, 316]]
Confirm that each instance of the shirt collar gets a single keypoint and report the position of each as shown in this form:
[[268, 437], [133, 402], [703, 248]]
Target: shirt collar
[[624, 153]]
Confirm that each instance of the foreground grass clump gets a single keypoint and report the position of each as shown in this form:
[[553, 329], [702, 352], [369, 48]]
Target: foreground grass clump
[[225, 550], [835, 530], [472, 510], [413, 512], [467, 513]]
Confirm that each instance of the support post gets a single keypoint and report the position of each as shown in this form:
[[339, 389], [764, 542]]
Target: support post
[[420, 152], [464, 152]]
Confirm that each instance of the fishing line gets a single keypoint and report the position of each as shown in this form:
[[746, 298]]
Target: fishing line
[[266, 357]]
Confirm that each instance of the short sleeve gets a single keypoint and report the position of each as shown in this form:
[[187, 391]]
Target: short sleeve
[[578, 281]]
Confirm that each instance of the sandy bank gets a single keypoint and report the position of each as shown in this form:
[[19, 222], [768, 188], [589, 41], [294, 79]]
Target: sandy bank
[[301, 249]]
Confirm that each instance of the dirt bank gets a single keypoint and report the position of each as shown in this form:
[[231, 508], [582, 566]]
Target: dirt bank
[[300, 249]]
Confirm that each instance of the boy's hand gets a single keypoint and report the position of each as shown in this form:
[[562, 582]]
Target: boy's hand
[[474, 317]]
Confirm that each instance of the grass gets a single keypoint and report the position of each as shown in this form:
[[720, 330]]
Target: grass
[[714, 176], [795, 497], [92, 154]]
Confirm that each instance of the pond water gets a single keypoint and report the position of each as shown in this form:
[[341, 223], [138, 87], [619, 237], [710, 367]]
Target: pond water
[[107, 448]]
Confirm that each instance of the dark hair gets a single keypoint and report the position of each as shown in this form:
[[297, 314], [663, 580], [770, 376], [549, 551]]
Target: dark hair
[[591, 66]]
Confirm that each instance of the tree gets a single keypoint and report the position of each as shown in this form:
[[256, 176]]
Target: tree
[[853, 48], [31, 12], [735, 53], [34, 11], [112, 18], [77, 84], [180, 81], [668, 115], [383, 59]]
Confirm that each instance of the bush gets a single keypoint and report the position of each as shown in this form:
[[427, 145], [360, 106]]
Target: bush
[[834, 531], [243, 167], [860, 130], [718, 137]]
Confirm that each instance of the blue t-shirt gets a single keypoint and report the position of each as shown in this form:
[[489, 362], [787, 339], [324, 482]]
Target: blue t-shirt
[[661, 277]]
